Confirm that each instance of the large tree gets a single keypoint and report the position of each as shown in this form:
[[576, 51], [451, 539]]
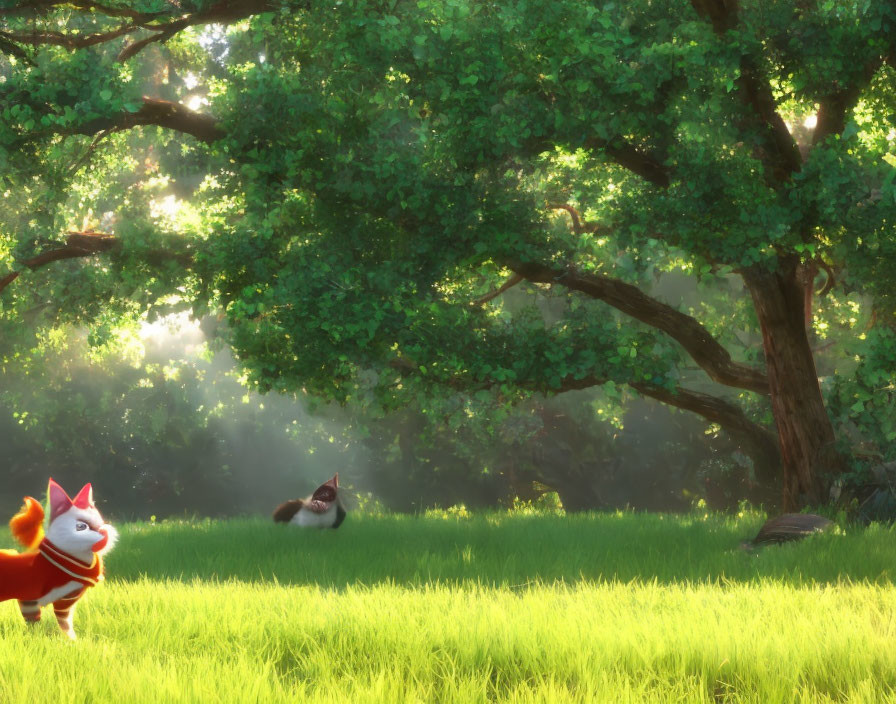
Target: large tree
[[371, 181]]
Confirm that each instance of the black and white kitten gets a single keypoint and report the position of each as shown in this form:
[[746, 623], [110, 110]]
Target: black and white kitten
[[323, 509]]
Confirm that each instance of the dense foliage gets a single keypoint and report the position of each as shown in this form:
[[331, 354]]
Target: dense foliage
[[358, 189]]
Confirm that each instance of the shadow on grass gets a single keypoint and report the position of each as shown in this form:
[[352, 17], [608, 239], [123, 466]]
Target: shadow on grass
[[495, 550]]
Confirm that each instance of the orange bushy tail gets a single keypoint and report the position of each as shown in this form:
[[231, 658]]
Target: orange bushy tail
[[28, 524]]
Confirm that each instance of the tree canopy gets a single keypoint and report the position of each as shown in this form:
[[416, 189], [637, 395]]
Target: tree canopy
[[383, 199]]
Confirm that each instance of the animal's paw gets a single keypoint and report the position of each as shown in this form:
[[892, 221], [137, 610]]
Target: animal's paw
[[70, 634]]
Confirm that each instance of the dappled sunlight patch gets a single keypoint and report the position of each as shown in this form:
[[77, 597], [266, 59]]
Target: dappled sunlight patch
[[457, 511]]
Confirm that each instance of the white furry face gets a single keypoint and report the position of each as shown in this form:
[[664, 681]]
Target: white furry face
[[81, 532]]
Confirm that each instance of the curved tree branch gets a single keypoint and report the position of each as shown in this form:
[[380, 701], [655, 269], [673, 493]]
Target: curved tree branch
[[688, 332], [167, 32], [77, 245], [162, 113], [510, 283], [647, 166], [69, 41], [14, 49], [578, 225], [759, 443], [630, 157], [154, 111], [85, 157], [221, 12], [806, 274], [225, 12]]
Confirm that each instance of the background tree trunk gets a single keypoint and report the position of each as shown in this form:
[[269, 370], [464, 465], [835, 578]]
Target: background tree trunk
[[809, 456]]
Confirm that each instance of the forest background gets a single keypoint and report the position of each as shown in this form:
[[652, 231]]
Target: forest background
[[471, 253]]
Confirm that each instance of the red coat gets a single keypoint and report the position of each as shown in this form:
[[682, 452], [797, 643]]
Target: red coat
[[31, 575]]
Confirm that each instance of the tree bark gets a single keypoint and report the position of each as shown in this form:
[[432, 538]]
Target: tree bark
[[810, 459]]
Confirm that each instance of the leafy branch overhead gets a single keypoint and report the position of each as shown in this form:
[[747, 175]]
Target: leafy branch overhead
[[159, 26]]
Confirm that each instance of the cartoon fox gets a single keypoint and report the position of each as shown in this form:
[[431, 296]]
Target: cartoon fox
[[56, 568]]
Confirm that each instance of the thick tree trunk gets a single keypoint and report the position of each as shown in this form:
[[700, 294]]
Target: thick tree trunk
[[809, 455]]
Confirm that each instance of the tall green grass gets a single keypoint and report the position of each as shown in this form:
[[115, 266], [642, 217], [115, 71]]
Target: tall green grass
[[591, 608], [497, 549]]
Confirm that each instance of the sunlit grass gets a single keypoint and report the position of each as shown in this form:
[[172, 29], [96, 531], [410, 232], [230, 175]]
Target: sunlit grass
[[496, 549], [590, 608]]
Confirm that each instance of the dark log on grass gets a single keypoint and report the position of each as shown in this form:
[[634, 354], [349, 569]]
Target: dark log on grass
[[790, 526]]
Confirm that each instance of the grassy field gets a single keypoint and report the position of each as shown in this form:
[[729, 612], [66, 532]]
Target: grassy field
[[511, 608]]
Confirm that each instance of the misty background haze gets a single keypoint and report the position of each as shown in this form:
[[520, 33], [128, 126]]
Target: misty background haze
[[170, 429]]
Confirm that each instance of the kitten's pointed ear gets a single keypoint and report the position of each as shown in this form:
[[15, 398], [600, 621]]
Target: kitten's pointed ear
[[59, 500], [84, 499]]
